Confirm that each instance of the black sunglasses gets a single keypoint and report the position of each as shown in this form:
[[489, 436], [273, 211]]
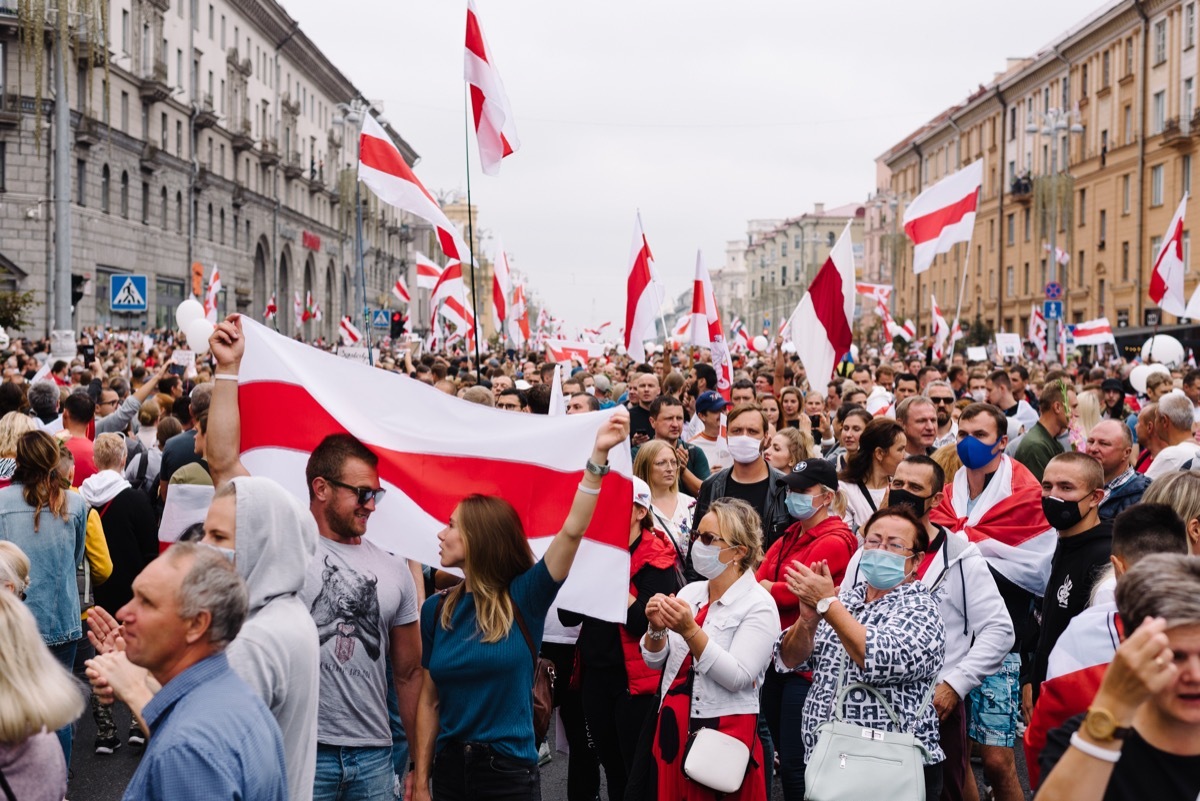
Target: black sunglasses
[[365, 494], [942, 401], [707, 538]]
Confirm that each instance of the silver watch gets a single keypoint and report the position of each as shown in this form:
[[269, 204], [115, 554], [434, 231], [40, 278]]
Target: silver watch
[[824, 604], [597, 470]]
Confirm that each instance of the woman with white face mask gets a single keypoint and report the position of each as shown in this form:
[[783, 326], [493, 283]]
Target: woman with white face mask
[[885, 632], [713, 641]]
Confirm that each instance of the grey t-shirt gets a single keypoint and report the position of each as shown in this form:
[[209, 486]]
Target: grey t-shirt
[[356, 595]]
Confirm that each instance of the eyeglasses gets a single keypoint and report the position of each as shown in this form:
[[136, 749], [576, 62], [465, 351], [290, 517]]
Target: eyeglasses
[[942, 401], [707, 537], [663, 464], [365, 494], [894, 547]]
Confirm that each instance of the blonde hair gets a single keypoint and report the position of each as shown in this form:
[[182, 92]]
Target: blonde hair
[[1181, 491], [740, 526], [109, 452], [12, 426], [1089, 410], [947, 458], [645, 460], [14, 566], [36, 692]]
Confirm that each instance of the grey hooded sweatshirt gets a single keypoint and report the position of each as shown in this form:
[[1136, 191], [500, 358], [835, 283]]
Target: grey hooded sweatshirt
[[276, 652]]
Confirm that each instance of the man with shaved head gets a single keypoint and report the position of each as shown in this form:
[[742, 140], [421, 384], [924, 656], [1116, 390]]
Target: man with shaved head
[[1111, 444]]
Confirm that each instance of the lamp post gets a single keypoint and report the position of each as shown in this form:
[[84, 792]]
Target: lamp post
[[1054, 124], [352, 113]]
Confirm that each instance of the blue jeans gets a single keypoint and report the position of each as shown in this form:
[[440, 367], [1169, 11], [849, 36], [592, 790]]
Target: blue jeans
[[399, 738], [350, 773], [65, 654]]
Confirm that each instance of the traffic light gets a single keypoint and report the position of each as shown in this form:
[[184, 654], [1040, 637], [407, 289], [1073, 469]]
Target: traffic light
[[77, 282], [397, 325]]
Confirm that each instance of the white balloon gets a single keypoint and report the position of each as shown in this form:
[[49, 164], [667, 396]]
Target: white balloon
[[1163, 349], [197, 333], [1138, 376], [621, 350], [788, 347], [760, 343], [187, 312]]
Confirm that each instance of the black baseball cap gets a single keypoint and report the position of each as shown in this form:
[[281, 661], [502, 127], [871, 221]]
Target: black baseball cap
[[809, 473]]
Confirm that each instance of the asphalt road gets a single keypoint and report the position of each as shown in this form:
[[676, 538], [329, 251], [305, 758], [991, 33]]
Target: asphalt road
[[103, 778]]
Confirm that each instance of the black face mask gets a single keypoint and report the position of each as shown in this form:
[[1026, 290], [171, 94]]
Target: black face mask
[[902, 497], [1061, 514]]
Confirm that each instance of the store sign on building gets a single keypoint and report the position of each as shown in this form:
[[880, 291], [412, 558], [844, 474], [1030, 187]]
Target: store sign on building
[[311, 240], [1151, 317], [1123, 318]]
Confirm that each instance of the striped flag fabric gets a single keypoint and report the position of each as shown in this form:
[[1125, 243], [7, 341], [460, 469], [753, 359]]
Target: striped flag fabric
[[298, 310], [532, 461], [495, 130], [941, 329], [400, 290], [428, 272], [350, 334], [1094, 332], [501, 287], [1061, 256], [943, 215], [644, 295], [706, 327], [1038, 332], [820, 325], [1166, 279], [881, 293], [518, 321], [385, 172], [272, 309], [212, 295], [682, 326], [564, 351]]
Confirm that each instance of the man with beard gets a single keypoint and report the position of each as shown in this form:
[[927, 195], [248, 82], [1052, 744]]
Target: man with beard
[[941, 393]]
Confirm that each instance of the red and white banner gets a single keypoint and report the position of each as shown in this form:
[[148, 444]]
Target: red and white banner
[[428, 272], [1095, 332], [644, 296], [706, 327], [1038, 332], [212, 295], [401, 291], [298, 311], [882, 293], [739, 336], [820, 325], [941, 329], [563, 351], [501, 287], [1061, 256], [518, 321], [595, 333], [350, 334], [533, 462], [682, 326], [387, 174], [943, 215], [494, 126], [272, 309], [1166, 279]]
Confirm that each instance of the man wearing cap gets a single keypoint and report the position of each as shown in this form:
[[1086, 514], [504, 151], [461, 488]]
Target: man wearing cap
[[603, 390], [1112, 391], [709, 408]]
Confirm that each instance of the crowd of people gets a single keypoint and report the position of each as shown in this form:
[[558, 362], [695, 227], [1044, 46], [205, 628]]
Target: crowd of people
[[837, 590]]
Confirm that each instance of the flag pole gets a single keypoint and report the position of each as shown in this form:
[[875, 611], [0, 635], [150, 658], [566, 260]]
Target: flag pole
[[962, 287], [471, 231]]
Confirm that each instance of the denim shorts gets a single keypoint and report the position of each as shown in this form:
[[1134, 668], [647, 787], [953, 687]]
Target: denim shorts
[[995, 706]]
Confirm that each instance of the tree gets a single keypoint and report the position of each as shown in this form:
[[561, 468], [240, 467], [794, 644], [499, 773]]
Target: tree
[[15, 308]]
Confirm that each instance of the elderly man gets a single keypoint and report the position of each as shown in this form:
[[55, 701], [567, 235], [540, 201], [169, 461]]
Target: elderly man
[[211, 736], [1147, 437], [919, 417], [1110, 444], [1174, 427]]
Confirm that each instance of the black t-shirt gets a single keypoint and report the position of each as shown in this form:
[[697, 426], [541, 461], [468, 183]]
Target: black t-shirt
[[639, 422], [1144, 773], [754, 494]]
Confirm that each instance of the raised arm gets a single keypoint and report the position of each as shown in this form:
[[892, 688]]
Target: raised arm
[[561, 552], [223, 443]]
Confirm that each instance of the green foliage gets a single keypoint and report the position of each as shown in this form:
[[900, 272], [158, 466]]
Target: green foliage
[[15, 308]]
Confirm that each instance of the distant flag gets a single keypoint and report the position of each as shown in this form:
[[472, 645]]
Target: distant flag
[[878, 292], [941, 330], [298, 310], [682, 326], [501, 287], [821, 324], [495, 129], [401, 291], [1038, 332], [943, 215], [1095, 332], [644, 295], [213, 295], [1166, 279], [518, 321], [350, 334], [272, 309], [1061, 256], [428, 273]]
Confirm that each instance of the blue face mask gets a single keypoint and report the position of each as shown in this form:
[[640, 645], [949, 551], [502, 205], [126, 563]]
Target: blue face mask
[[975, 454], [883, 569], [799, 505]]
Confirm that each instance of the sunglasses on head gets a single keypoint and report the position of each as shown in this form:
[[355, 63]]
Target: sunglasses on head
[[364, 494]]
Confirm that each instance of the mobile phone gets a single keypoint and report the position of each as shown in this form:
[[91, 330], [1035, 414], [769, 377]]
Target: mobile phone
[[816, 420], [177, 369], [88, 352]]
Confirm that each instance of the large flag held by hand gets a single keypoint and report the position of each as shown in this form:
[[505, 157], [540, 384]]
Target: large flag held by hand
[[644, 296], [1166, 280], [534, 462], [706, 327], [943, 215], [820, 325], [387, 174], [494, 126]]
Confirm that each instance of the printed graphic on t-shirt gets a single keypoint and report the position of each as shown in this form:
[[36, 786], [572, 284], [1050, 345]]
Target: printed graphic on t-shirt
[[347, 611], [1064, 593]]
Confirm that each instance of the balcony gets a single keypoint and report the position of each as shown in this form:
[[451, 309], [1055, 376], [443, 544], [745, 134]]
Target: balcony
[[151, 160], [153, 87], [292, 168], [10, 110], [246, 67], [268, 152], [86, 55], [241, 139], [1176, 134], [88, 133], [239, 196], [290, 107], [206, 116], [1020, 189], [1195, 123], [204, 179]]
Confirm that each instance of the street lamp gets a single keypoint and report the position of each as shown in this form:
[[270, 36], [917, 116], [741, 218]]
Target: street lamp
[[1054, 124], [352, 114]]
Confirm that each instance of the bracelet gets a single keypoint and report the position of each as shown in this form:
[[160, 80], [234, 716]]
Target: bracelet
[[693, 634], [588, 490], [225, 377], [656, 634], [1094, 751]]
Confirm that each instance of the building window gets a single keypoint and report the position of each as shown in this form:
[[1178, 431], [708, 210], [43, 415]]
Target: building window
[[1160, 42], [125, 112], [1012, 123], [1156, 185], [105, 181], [125, 32], [1158, 111], [1083, 82], [163, 133], [1125, 184], [1082, 253], [235, 230], [1010, 281], [1189, 25], [1155, 246], [81, 182], [1103, 226], [1129, 55], [210, 223], [179, 68], [1026, 219], [179, 212], [1082, 207], [1124, 261], [211, 22], [221, 229], [195, 15], [1012, 232], [163, 208], [1128, 124], [1187, 247], [125, 194], [1105, 69], [1026, 278], [178, 138], [145, 202], [1189, 98], [1185, 168]]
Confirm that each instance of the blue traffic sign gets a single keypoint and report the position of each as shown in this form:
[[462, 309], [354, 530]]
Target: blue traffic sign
[[1054, 290], [381, 319], [127, 293], [1052, 309]]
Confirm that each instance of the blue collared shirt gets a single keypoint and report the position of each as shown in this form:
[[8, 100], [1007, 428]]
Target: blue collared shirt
[[211, 737]]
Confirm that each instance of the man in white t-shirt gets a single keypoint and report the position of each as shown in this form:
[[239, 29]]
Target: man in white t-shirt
[[709, 408], [1174, 426]]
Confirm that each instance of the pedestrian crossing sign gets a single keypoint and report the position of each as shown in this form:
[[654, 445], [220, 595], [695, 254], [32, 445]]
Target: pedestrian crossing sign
[[127, 293], [380, 318]]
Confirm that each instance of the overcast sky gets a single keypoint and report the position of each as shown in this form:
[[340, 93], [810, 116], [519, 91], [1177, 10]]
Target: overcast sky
[[702, 114]]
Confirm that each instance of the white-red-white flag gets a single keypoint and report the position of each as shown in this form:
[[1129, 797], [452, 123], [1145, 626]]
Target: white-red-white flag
[[1038, 332], [495, 129], [501, 287], [941, 329], [298, 310], [518, 321], [428, 272], [882, 293], [400, 290], [1094, 332], [706, 327], [272, 309], [820, 326], [643, 297], [943, 215], [1061, 256], [681, 328], [387, 174], [212, 295], [563, 351], [1166, 279], [535, 463], [350, 334]]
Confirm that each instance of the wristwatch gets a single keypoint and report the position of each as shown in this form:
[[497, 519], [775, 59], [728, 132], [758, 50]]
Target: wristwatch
[[824, 604], [597, 470], [1101, 725]]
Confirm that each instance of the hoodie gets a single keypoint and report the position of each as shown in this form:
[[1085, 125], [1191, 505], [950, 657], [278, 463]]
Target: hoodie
[[276, 651], [100, 488], [127, 526]]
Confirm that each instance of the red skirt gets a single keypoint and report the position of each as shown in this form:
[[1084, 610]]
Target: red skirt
[[671, 738]]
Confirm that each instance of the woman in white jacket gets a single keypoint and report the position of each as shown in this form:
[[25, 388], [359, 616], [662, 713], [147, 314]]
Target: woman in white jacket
[[714, 639]]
